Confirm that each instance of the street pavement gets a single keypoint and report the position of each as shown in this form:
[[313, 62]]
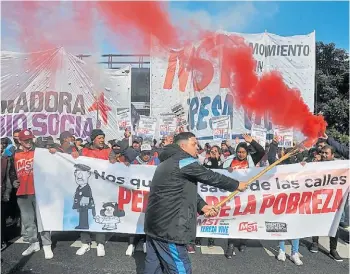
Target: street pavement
[[260, 257]]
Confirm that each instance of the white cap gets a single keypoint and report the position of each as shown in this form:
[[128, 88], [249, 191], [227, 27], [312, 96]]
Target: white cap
[[146, 147]]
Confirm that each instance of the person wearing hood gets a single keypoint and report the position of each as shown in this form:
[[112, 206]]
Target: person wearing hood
[[243, 159], [118, 150], [173, 204], [8, 147], [145, 158], [122, 153]]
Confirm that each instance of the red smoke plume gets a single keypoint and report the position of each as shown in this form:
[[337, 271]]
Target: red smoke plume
[[268, 93], [145, 18], [140, 20]]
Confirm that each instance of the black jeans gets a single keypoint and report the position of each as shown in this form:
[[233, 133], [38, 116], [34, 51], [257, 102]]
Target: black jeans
[[333, 241], [240, 241], [4, 206], [135, 239]]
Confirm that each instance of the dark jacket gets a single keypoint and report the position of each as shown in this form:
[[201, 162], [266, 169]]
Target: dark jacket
[[259, 152], [342, 149], [173, 200], [271, 156], [6, 185]]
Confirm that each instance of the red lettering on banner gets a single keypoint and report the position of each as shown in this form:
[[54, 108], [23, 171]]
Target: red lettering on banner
[[266, 203], [224, 208], [248, 226], [251, 206], [202, 69], [329, 193], [211, 200], [136, 200], [338, 199], [124, 197], [237, 200], [293, 202], [145, 200], [316, 202], [280, 203], [183, 72], [208, 221], [305, 201]]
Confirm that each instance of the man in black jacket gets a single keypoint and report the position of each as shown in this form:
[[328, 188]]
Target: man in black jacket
[[170, 221]]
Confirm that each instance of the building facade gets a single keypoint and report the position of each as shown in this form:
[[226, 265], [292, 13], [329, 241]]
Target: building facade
[[140, 76]]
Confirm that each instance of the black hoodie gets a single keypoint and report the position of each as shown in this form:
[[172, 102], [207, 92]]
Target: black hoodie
[[173, 201]]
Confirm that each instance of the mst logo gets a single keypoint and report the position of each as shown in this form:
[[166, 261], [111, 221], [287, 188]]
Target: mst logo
[[275, 227], [25, 165], [248, 226]]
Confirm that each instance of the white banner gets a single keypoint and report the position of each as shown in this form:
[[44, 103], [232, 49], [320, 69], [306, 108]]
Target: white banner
[[221, 127], [124, 119], [167, 125], [204, 94], [259, 134], [289, 202], [146, 128], [63, 94], [285, 136]]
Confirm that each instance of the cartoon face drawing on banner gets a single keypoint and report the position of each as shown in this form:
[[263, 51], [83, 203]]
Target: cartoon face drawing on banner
[[109, 216], [83, 200]]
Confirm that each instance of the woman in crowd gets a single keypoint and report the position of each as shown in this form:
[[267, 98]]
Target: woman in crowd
[[243, 159]]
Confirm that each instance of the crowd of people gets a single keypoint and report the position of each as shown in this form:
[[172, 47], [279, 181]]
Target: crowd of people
[[18, 202]]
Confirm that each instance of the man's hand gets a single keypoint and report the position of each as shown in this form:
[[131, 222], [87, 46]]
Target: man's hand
[[210, 211], [247, 138], [15, 183], [75, 154], [230, 169], [52, 150], [324, 136], [242, 186]]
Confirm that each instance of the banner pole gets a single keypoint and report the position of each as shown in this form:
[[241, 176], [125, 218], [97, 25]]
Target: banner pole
[[291, 153]]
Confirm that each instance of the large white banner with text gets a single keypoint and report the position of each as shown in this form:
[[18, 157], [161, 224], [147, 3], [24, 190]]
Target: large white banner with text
[[64, 93], [204, 94], [291, 201]]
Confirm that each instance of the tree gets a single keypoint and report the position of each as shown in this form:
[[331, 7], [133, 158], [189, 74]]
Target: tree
[[332, 88]]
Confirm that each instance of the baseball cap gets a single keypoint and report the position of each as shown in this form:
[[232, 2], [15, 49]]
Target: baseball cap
[[65, 134], [146, 147], [25, 134]]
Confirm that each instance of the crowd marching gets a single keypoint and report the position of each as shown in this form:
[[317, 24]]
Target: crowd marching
[[18, 193]]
